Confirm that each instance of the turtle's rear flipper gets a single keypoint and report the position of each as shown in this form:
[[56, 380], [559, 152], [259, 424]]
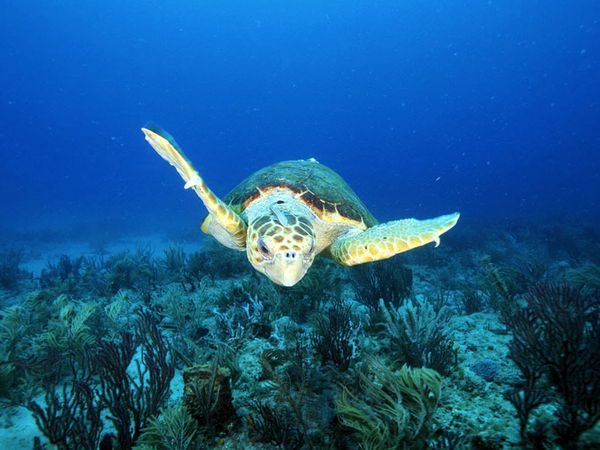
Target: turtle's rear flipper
[[390, 238], [168, 149]]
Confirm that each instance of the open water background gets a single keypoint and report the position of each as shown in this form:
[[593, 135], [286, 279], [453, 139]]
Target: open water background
[[491, 108]]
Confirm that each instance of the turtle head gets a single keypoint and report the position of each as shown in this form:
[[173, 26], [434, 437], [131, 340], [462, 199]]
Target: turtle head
[[281, 245]]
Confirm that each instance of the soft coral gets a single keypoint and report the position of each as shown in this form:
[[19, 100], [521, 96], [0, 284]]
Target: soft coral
[[555, 338]]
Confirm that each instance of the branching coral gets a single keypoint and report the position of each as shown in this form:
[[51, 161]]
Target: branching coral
[[94, 277], [103, 379], [69, 334], [418, 335], [585, 276], [118, 312], [71, 419], [503, 278], [10, 271], [100, 276], [389, 280], [19, 359], [42, 336], [243, 319], [174, 429], [207, 396], [526, 398], [62, 276], [331, 338], [498, 285], [297, 396], [133, 399], [555, 338], [472, 301], [12, 331], [391, 410], [173, 264], [215, 262], [137, 271], [273, 426]]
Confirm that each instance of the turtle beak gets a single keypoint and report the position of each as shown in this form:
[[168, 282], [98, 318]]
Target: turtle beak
[[287, 268]]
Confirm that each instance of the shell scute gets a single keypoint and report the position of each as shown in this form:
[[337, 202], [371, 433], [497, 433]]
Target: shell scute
[[319, 187]]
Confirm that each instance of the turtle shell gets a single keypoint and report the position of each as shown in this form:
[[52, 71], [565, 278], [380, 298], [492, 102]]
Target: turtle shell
[[323, 190]]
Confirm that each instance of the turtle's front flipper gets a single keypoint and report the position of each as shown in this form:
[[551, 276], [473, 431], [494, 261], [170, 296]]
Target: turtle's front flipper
[[226, 218], [390, 238]]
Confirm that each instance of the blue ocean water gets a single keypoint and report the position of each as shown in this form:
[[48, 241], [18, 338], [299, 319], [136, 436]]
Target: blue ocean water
[[491, 108]]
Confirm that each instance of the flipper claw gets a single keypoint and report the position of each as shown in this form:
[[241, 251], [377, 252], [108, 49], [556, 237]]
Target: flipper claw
[[193, 182]]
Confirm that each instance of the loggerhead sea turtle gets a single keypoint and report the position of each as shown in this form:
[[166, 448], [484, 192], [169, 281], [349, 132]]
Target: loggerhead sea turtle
[[287, 213]]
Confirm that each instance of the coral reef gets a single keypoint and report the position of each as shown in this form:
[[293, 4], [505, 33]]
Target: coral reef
[[418, 334], [10, 270], [586, 276], [71, 417], [332, 335], [391, 410], [555, 344], [207, 396], [273, 426], [174, 429], [137, 349], [389, 280], [133, 398]]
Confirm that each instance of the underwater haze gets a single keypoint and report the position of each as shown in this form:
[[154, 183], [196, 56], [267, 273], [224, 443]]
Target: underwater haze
[[490, 108]]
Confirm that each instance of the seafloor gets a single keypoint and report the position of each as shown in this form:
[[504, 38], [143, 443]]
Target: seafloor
[[489, 341]]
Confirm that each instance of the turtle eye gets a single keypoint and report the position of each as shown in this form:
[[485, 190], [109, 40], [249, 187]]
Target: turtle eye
[[263, 248]]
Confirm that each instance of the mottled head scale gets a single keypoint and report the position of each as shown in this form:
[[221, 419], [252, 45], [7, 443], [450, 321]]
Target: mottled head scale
[[280, 244]]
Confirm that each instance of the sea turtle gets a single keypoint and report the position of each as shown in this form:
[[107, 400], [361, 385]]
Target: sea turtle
[[287, 213]]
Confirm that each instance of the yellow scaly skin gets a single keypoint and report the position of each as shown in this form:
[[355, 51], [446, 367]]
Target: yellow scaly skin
[[390, 238], [225, 217]]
